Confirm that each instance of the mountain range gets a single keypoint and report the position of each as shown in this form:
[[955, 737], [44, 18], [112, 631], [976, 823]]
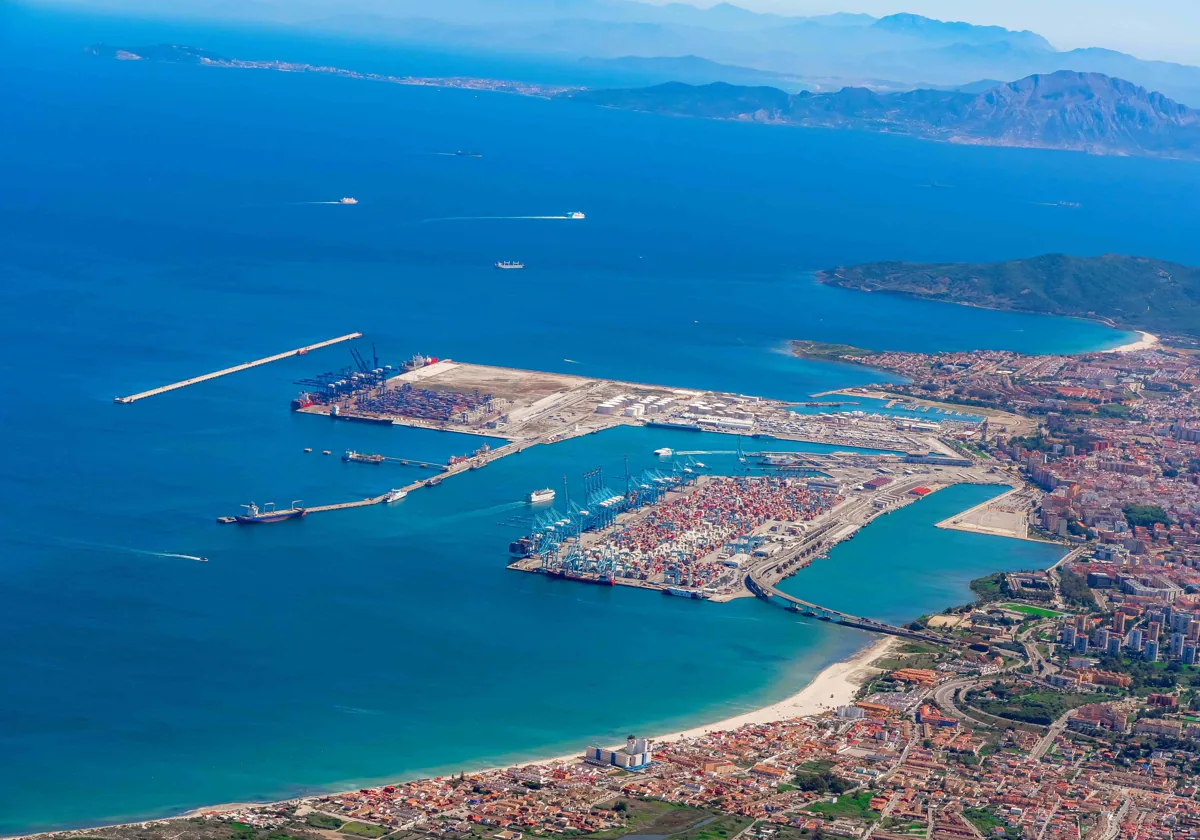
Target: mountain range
[[1086, 112], [826, 52]]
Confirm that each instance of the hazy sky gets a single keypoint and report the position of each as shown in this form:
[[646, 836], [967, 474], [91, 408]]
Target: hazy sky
[[1162, 29]]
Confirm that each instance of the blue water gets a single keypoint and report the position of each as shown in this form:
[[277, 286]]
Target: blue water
[[150, 229]]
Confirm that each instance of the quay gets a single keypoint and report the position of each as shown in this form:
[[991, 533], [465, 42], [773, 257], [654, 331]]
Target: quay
[[299, 351]]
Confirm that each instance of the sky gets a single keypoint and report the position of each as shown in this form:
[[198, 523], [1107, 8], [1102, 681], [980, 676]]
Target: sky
[[1168, 30]]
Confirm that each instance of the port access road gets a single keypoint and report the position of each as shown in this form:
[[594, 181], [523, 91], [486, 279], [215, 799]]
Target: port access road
[[299, 351]]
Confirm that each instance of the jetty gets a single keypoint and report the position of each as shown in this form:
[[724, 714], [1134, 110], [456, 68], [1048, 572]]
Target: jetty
[[299, 351]]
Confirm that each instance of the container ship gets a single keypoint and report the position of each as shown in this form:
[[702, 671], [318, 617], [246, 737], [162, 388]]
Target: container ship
[[255, 515], [302, 401], [521, 548]]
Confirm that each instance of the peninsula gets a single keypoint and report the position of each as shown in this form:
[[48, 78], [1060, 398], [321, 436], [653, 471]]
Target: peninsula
[[1132, 292]]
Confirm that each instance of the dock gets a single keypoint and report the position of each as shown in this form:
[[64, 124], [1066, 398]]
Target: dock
[[299, 351]]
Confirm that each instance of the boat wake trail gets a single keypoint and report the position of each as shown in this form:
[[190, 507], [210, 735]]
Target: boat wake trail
[[319, 202], [180, 556], [707, 452], [572, 362], [497, 218]]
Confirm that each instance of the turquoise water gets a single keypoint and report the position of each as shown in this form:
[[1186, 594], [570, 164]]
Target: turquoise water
[[901, 567], [150, 230]]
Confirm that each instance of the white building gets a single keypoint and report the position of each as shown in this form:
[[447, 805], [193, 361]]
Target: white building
[[635, 755]]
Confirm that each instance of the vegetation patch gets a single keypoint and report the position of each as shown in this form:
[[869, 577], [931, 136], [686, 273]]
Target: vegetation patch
[[323, 821], [359, 829], [855, 806], [1026, 609]]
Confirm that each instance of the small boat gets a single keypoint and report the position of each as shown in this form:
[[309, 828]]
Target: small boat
[[308, 449], [326, 452], [664, 452], [575, 214], [202, 559], [539, 496], [394, 496], [347, 200]]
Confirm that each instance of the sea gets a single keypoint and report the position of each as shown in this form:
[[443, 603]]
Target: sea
[[161, 221]]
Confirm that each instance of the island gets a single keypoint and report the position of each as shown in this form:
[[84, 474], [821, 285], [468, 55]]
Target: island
[[1137, 293]]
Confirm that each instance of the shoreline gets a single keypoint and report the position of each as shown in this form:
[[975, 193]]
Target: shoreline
[[1146, 341], [835, 685]]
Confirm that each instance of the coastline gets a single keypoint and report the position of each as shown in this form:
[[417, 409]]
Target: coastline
[[833, 686], [1146, 341]]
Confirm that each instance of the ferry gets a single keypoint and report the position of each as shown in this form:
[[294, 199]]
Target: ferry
[[394, 496], [347, 200], [665, 452], [509, 266], [575, 214], [255, 515], [539, 496]]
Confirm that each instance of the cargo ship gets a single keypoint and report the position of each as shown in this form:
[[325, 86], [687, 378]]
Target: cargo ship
[[521, 548], [680, 427], [255, 515], [361, 457], [539, 496], [417, 362], [694, 594], [509, 265], [302, 401], [347, 200], [600, 580]]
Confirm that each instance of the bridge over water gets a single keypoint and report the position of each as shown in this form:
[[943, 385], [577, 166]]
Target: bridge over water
[[766, 592]]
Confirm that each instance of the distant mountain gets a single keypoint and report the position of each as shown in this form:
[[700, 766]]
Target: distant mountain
[[826, 52], [1133, 292], [953, 32], [692, 70], [1085, 112]]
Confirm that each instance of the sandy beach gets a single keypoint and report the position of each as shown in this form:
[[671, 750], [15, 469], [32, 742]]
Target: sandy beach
[[1145, 342], [835, 686]]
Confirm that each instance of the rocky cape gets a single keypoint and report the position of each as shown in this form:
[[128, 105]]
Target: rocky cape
[[1086, 112]]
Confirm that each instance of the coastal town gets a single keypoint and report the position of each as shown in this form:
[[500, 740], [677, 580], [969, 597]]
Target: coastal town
[[1060, 704]]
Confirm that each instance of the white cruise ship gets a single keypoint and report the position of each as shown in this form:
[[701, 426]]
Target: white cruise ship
[[539, 496]]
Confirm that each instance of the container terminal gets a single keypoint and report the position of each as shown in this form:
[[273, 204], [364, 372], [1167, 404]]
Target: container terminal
[[529, 407]]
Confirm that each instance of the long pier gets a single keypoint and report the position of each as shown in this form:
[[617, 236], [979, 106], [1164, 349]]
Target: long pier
[[299, 351], [766, 592]]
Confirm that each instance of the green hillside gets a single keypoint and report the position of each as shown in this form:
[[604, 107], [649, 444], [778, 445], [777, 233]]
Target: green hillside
[[1132, 292]]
